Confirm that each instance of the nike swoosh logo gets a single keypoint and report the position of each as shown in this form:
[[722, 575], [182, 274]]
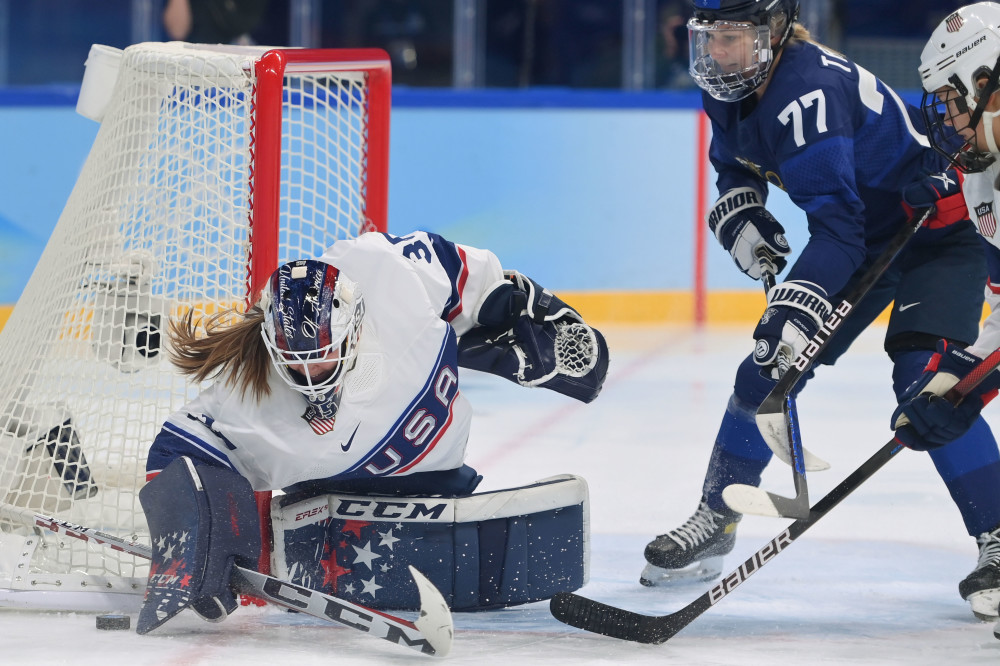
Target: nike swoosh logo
[[345, 447], [908, 306]]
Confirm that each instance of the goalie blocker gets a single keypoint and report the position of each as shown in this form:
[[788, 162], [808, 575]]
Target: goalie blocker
[[483, 551], [203, 521]]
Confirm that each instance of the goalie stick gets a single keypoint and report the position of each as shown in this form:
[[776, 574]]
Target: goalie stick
[[744, 498], [772, 415], [600, 618], [431, 633]]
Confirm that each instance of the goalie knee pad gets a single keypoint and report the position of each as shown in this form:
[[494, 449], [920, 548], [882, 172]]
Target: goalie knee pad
[[487, 550], [201, 521]]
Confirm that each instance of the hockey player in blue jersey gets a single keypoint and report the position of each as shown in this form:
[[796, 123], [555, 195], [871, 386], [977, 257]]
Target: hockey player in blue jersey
[[340, 386], [790, 113]]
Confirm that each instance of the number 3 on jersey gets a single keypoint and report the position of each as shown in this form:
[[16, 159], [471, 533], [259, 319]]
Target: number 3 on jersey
[[795, 113], [412, 250]]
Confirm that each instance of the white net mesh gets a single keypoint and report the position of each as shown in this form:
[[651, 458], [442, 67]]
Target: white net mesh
[[158, 223], [576, 349]]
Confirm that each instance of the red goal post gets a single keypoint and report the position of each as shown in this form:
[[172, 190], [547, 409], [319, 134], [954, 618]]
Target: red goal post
[[272, 69], [212, 164]]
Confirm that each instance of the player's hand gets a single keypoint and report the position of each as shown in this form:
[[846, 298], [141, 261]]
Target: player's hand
[[924, 419], [744, 227], [944, 192], [795, 311]]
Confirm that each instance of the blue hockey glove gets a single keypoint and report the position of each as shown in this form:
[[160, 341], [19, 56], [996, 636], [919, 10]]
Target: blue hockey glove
[[924, 420], [743, 226], [944, 192], [795, 311]]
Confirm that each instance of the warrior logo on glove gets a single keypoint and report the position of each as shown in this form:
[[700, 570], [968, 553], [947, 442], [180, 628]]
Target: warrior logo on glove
[[744, 228], [796, 310]]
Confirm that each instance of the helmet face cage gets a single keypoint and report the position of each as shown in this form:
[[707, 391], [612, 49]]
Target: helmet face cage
[[729, 60], [942, 113], [730, 43], [312, 321], [962, 53]]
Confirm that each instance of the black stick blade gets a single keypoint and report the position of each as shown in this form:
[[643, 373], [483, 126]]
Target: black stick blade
[[599, 618]]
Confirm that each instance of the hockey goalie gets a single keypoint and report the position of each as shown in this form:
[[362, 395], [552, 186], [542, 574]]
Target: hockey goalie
[[340, 387]]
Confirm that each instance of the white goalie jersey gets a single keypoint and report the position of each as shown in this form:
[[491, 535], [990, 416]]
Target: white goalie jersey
[[402, 410]]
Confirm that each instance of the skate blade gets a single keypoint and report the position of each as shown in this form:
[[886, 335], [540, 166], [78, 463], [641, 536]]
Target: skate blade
[[705, 570], [984, 604]]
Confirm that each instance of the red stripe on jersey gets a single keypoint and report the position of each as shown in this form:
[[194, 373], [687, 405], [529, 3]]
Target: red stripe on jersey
[[444, 428], [462, 278], [994, 287]]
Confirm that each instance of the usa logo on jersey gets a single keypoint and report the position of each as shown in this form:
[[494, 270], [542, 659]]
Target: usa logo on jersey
[[987, 220]]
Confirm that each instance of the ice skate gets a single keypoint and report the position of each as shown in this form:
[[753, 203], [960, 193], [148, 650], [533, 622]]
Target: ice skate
[[981, 588], [693, 551]]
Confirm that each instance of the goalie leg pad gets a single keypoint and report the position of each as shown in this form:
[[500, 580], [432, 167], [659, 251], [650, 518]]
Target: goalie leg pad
[[201, 521], [484, 551]]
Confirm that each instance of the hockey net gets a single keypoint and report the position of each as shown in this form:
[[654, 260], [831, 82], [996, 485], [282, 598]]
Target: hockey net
[[211, 165]]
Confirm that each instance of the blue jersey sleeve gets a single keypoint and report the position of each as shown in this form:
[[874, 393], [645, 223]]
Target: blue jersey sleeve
[[190, 435], [729, 171], [839, 142]]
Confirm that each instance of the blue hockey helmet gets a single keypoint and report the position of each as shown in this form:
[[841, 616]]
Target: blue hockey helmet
[[312, 321], [733, 43]]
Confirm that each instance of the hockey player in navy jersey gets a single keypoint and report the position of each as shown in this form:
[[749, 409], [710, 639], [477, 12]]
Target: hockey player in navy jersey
[[340, 386], [789, 113]]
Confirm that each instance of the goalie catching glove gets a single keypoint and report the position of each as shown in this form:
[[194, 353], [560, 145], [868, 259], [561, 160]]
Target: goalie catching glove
[[530, 336], [744, 228], [924, 419], [795, 311]]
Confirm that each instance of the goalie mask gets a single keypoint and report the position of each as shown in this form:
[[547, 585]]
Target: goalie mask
[[312, 320], [730, 43], [959, 70]]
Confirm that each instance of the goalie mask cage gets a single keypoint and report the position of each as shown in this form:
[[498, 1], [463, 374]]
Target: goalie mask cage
[[212, 165]]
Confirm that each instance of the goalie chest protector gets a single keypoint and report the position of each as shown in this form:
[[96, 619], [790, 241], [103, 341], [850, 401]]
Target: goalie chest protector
[[487, 550]]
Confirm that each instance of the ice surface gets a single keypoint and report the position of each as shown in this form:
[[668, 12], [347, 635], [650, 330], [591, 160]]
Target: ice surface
[[875, 582]]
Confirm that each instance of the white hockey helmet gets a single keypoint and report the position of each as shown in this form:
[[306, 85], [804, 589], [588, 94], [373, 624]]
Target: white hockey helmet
[[962, 51]]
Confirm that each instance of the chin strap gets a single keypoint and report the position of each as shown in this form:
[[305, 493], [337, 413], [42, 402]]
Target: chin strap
[[991, 142], [992, 85]]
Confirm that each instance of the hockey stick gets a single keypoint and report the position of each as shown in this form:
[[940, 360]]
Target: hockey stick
[[431, 633], [601, 618], [744, 498], [771, 414]]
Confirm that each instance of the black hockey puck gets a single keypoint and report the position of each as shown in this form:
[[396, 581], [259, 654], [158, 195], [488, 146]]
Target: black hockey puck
[[113, 622]]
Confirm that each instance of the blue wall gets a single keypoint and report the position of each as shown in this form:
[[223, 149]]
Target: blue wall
[[582, 191]]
